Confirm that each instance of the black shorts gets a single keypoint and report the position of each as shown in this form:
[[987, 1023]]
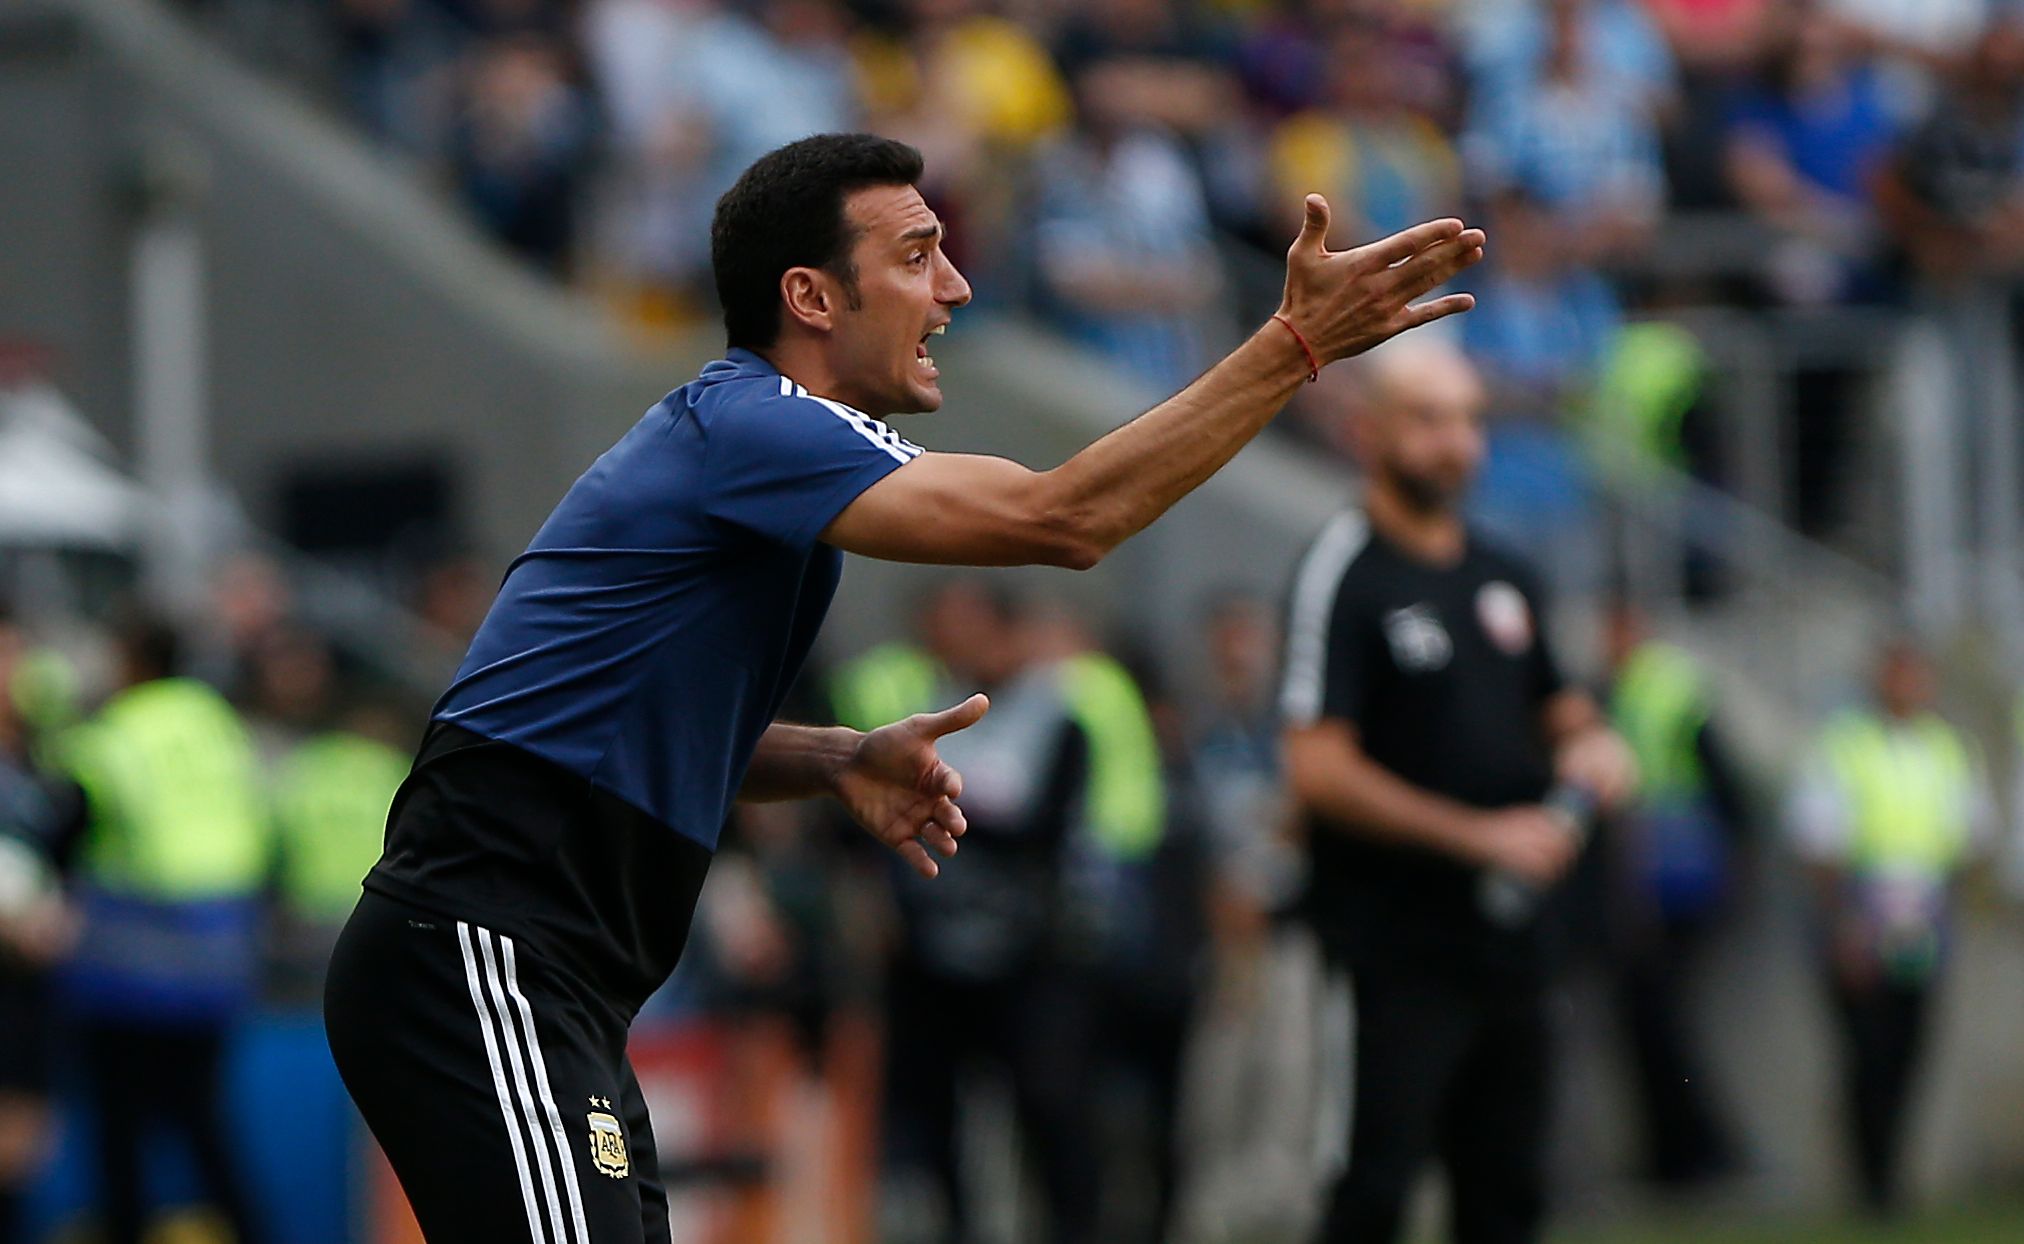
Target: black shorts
[[496, 1082]]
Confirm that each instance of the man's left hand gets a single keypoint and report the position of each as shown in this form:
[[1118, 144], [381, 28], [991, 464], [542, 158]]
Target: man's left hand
[[1598, 761], [901, 791]]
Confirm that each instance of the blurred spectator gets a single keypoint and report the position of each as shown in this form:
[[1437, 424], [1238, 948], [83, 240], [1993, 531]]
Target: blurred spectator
[[250, 600], [1953, 192], [1611, 44], [778, 910], [1279, 63], [978, 93], [1234, 762], [521, 144], [36, 819], [1941, 25], [977, 979], [1249, 1095], [1133, 910], [1153, 59], [1382, 165], [1578, 138], [1539, 334], [1125, 812], [393, 56], [330, 795], [958, 80], [1653, 379], [1711, 34], [1544, 319], [170, 870], [291, 693], [1890, 808], [1676, 845], [1805, 139], [653, 230], [697, 90], [1123, 248], [894, 678], [1169, 65]]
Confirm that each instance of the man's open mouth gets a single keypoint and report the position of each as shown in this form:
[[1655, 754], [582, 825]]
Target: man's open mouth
[[921, 355]]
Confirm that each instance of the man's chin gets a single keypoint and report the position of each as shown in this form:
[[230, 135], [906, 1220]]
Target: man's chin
[[924, 397]]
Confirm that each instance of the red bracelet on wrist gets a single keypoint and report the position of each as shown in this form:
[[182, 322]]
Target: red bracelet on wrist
[[1313, 368]]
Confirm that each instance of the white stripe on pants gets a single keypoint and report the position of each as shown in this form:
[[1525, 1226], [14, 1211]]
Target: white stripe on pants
[[516, 1033]]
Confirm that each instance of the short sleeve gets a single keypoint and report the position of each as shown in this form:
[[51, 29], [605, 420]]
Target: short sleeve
[[1346, 681], [784, 465], [1548, 680], [1325, 673]]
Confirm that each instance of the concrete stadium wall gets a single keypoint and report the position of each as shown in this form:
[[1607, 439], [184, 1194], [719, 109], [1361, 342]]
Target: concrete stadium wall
[[350, 318]]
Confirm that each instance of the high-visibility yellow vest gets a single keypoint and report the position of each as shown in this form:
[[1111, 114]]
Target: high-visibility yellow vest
[[331, 797], [1126, 802], [44, 691], [1658, 707], [1652, 375], [1908, 789], [173, 788], [1126, 805], [891, 681]]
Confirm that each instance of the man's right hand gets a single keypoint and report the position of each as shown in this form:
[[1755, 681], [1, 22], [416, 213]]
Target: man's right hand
[[1529, 841], [1345, 302]]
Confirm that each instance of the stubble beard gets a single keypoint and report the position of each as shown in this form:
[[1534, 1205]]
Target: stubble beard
[[1424, 496]]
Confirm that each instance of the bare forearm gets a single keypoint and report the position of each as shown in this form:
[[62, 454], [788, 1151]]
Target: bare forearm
[[991, 512], [1116, 487], [797, 762], [1567, 715], [1354, 794]]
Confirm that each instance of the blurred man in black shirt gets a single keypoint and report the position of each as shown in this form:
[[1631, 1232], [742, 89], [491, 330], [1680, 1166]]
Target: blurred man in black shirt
[[1426, 724]]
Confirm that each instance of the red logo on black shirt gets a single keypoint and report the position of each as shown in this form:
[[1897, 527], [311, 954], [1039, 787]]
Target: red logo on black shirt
[[1505, 616]]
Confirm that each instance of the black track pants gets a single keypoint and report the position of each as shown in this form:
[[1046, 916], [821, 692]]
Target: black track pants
[[1449, 1072]]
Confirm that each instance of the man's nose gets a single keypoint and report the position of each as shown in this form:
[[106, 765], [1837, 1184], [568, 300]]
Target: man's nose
[[952, 290]]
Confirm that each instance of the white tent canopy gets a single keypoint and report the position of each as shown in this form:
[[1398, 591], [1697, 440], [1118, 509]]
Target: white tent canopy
[[56, 486]]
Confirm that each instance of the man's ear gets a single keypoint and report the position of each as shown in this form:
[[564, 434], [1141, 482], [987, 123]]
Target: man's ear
[[810, 296]]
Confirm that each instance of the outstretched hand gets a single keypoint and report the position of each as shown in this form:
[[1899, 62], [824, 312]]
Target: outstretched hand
[[901, 791], [1344, 302]]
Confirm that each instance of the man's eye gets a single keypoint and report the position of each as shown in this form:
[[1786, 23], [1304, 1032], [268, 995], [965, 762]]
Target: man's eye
[[918, 257]]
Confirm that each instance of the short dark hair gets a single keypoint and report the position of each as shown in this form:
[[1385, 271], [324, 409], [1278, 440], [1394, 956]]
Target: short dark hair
[[786, 211]]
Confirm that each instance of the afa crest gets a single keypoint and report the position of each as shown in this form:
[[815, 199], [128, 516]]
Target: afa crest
[[607, 1145]]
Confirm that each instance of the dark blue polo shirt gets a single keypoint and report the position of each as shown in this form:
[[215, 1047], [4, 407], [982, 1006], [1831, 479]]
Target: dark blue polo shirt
[[646, 637]]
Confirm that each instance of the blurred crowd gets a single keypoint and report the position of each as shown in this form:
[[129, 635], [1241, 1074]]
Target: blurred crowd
[[185, 812], [183, 820], [1129, 170], [1119, 949]]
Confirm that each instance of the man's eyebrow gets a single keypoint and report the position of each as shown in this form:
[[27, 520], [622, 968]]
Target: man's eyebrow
[[919, 232]]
